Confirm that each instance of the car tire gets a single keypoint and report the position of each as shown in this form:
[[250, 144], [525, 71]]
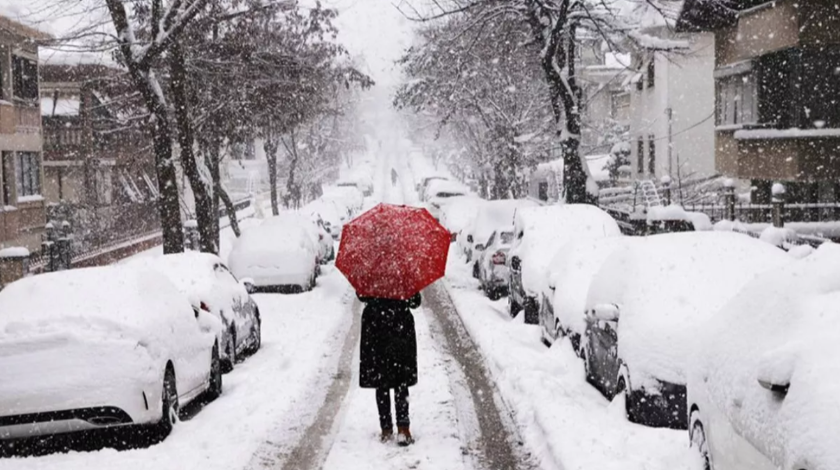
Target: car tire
[[475, 271], [230, 351], [169, 405], [256, 335], [532, 311], [214, 390], [494, 293], [698, 441], [513, 307]]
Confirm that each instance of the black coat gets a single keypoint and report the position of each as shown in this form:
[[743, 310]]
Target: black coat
[[388, 354]]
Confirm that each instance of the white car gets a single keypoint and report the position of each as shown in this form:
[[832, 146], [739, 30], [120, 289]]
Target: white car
[[360, 182], [493, 271], [460, 213], [322, 240], [328, 211], [563, 306], [645, 306], [275, 258], [99, 348], [490, 217], [438, 193], [763, 383], [208, 284], [424, 183], [349, 197], [539, 233]]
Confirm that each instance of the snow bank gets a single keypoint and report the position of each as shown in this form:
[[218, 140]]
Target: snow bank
[[667, 286], [777, 236], [460, 213], [570, 273], [14, 252], [541, 231], [783, 327]]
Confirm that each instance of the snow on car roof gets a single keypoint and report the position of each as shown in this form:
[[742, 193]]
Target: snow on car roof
[[460, 212], [667, 285], [89, 301], [288, 218], [495, 214], [545, 229], [783, 327], [572, 270], [445, 186], [271, 237]]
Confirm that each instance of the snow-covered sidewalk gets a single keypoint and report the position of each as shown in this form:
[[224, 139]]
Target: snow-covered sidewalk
[[564, 421]]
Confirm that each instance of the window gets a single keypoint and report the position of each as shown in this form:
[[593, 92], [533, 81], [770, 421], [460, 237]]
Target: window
[[8, 170], [651, 155], [651, 73], [737, 100], [24, 78], [640, 156], [28, 174]]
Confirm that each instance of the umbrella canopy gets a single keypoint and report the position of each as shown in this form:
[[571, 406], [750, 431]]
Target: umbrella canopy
[[393, 251]]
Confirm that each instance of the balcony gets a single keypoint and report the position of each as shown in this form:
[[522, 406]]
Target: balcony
[[19, 119]]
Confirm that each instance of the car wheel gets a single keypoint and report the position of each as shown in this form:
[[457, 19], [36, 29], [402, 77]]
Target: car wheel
[[532, 311], [513, 307], [169, 404], [586, 354], [698, 442], [558, 330], [494, 293], [215, 389], [230, 351], [256, 335], [475, 272]]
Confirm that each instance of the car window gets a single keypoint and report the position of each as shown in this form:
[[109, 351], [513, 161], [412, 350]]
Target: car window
[[506, 237]]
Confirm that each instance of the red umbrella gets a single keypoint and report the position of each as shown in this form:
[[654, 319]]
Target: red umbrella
[[393, 251]]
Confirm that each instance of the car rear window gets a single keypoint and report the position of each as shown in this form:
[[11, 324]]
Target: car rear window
[[507, 238]]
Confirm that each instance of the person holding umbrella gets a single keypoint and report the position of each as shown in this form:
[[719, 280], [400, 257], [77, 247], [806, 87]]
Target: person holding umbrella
[[389, 254]]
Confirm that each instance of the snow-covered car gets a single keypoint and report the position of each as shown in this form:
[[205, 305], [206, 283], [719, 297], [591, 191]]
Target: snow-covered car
[[276, 258], [322, 240], [424, 183], [490, 217], [646, 304], [763, 378], [441, 193], [209, 285], [97, 348], [459, 213], [328, 211], [325, 239], [349, 197], [360, 182], [563, 306], [493, 272], [539, 233]]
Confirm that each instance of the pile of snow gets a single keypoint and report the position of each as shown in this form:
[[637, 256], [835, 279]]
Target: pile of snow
[[666, 286], [14, 252], [570, 273], [541, 231], [699, 220], [348, 196], [783, 328], [777, 236]]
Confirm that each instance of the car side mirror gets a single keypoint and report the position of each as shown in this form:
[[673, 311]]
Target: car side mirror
[[248, 284], [606, 312]]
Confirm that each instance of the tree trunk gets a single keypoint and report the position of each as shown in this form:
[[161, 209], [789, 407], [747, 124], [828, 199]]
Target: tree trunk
[[291, 185], [213, 158], [231, 211], [270, 146], [170, 209], [574, 174], [201, 191]]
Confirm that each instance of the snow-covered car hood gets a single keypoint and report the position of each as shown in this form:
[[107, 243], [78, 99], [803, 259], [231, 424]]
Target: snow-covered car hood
[[782, 328], [667, 286]]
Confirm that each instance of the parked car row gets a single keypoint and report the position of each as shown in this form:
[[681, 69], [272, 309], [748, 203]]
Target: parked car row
[[718, 333], [120, 346]]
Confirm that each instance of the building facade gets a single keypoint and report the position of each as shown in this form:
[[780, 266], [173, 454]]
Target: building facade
[[98, 162], [777, 93], [672, 105], [22, 207]]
